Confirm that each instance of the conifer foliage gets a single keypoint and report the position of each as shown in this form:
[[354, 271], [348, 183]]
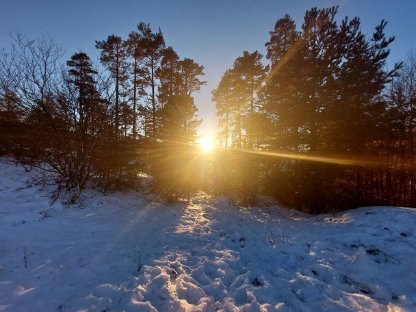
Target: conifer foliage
[[86, 124], [321, 122], [324, 115]]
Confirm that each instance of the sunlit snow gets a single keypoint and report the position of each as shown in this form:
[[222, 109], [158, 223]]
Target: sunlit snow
[[129, 252]]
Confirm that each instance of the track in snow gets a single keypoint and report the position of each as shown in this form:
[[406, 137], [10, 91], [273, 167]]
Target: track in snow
[[122, 252]]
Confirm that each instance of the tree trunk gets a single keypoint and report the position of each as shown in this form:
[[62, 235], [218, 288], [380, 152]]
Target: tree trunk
[[117, 93], [134, 99], [153, 101]]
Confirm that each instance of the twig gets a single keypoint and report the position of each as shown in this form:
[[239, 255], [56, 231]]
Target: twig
[[58, 192], [25, 257], [139, 266]]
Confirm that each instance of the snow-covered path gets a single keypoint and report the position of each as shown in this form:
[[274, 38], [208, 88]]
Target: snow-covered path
[[122, 252]]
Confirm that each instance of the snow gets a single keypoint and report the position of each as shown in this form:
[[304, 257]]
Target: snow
[[129, 252]]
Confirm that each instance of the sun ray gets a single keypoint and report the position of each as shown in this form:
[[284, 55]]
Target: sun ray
[[206, 144], [336, 160]]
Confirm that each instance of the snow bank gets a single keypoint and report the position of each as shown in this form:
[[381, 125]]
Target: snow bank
[[121, 252]]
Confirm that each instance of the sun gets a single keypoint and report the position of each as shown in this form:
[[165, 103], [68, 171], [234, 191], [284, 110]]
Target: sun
[[206, 144]]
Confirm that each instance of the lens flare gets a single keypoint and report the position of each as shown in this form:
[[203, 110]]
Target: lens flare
[[206, 144], [336, 160]]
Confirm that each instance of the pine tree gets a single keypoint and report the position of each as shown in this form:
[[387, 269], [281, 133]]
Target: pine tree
[[279, 91], [282, 39], [153, 46], [250, 74], [402, 113], [82, 77], [126, 117], [179, 80], [323, 93], [168, 75], [190, 73], [235, 97], [113, 56], [179, 121], [139, 74], [83, 119], [223, 96]]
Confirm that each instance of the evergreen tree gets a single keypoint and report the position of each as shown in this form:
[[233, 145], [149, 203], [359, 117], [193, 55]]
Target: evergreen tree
[[139, 74], [282, 39], [81, 75], [113, 56], [153, 45], [126, 116], [179, 120], [189, 75], [236, 94], [179, 80], [190, 82], [401, 141], [168, 75], [279, 91], [322, 96], [323, 93], [223, 96], [249, 75]]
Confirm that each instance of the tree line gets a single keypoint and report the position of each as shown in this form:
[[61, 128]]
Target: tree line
[[325, 125], [321, 123], [83, 123]]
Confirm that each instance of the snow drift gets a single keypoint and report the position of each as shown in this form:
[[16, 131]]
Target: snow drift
[[127, 252]]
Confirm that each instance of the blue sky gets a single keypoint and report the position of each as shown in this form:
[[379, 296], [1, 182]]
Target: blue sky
[[213, 33]]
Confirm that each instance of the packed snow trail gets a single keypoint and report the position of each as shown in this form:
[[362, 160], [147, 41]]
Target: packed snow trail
[[126, 252]]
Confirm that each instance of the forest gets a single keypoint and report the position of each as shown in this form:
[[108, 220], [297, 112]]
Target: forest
[[323, 122]]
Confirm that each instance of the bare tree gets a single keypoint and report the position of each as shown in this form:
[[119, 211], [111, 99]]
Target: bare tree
[[31, 69]]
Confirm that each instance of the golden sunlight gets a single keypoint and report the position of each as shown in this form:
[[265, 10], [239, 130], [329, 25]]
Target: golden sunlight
[[206, 144]]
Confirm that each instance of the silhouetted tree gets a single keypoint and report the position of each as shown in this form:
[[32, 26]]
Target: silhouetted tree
[[85, 117], [153, 45], [223, 97], [113, 56], [323, 99], [81, 75], [139, 73], [168, 75]]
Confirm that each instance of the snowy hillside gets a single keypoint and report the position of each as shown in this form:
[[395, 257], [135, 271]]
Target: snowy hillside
[[121, 252]]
